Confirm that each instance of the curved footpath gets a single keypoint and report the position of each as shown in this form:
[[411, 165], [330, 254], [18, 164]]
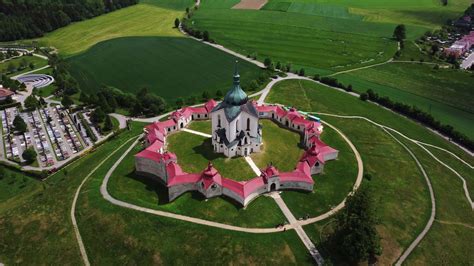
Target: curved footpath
[[76, 196]]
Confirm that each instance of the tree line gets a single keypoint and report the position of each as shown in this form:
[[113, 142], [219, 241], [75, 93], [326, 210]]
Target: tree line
[[29, 19]]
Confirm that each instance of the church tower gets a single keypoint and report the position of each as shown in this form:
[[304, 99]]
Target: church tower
[[235, 123]]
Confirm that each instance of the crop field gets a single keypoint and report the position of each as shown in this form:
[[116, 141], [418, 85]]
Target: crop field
[[320, 36], [403, 204], [169, 67], [148, 18], [445, 93]]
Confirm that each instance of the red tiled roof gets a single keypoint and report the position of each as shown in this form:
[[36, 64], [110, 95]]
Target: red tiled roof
[[183, 179], [4, 92], [296, 176], [210, 176], [210, 105]]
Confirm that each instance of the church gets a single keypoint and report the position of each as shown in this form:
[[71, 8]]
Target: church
[[235, 123]]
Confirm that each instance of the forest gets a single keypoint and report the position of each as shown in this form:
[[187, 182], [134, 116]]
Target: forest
[[23, 19]]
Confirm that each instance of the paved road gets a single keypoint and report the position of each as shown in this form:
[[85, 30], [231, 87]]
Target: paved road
[[29, 72], [196, 133], [121, 119], [466, 63], [299, 230]]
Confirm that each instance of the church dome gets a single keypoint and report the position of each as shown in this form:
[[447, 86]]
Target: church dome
[[236, 96]]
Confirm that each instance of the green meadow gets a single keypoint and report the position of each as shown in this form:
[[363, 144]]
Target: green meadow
[[321, 36], [401, 193], [169, 66], [445, 93]]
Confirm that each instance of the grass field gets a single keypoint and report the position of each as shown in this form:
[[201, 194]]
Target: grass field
[[403, 203], [321, 36], [127, 186], [281, 147], [169, 67], [148, 18], [38, 62], [194, 152], [445, 93]]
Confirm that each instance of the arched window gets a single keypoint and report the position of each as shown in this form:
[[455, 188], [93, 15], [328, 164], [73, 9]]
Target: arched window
[[218, 120], [248, 123], [237, 126]]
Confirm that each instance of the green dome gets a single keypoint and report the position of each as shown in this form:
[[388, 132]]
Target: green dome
[[236, 96]]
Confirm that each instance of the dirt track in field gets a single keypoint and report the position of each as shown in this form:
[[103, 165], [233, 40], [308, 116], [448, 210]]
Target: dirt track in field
[[250, 4]]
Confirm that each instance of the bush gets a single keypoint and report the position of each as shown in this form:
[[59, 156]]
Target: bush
[[301, 72], [363, 96], [29, 155]]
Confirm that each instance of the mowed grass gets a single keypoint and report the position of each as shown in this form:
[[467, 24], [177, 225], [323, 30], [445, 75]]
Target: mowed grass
[[402, 197], [130, 187], [195, 152], [281, 147], [445, 93], [331, 186], [110, 231], [169, 67], [148, 18], [38, 62]]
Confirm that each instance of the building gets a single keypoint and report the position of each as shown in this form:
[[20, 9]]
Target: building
[[235, 127], [461, 46], [5, 93], [240, 117]]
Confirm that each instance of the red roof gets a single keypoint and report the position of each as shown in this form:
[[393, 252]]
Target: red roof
[[269, 171], [183, 179], [296, 176], [173, 169], [4, 92], [235, 186], [210, 175], [210, 105], [155, 156]]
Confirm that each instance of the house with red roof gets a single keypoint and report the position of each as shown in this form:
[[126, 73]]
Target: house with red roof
[[5, 93]]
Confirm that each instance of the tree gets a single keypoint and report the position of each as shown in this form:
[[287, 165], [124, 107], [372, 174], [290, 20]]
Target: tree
[[288, 67], [29, 155], [32, 65], [31, 102], [108, 123], [205, 36], [278, 65], [19, 124], [267, 62], [355, 235], [219, 94], [11, 67], [179, 102], [434, 49], [84, 98], [176, 23], [67, 101], [98, 115], [301, 72], [23, 63], [206, 95], [399, 33], [363, 96]]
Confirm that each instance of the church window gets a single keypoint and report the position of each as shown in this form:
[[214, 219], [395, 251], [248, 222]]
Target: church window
[[218, 120], [248, 123]]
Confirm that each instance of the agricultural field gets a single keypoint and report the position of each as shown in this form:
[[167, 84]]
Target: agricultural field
[[403, 199], [148, 18], [168, 66], [445, 93], [349, 34]]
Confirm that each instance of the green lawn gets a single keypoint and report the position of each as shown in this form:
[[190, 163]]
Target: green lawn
[[281, 147], [14, 185], [148, 18], [169, 67], [401, 193], [194, 152], [127, 186], [331, 186], [38, 62], [445, 93], [201, 126]]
